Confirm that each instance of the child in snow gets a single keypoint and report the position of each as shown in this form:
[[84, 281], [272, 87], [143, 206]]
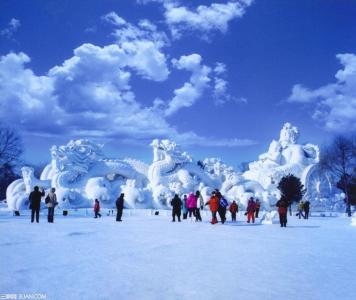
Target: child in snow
[[233, 210], [97, 208], [176, 207]]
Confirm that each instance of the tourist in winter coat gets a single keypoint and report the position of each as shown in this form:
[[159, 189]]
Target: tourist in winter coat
[[200, 206], [233, 210], [300, 209], [258, 206], [306, 209], [176, 207], [251, 207], [97, 208], [51, 202], [191, 205], [35, 203], [282, 205], [223, 204], [119, 207], [184, 207], [214, 206]]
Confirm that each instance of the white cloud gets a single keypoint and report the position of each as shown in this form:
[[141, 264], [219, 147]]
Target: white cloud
[[334, 104], [191, 91], [204, 19], [142, 45], [11, 28]]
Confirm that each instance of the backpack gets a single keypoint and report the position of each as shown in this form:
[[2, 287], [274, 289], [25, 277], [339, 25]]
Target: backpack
[[223, 202], [47, 199]]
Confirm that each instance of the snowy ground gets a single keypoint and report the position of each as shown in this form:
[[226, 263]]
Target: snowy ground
[[148, 257]]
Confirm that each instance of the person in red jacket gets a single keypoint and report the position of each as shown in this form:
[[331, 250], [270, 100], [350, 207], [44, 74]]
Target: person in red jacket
[[214, 206], [251, 207], [233, 209], [97, 208]]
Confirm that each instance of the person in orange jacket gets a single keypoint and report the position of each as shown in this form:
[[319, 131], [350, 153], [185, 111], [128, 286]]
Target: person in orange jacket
[[214, 206], [233, 209], [97, 209]]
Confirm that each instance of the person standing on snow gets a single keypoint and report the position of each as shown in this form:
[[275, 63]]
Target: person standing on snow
[[214, 205], [200, 206], [191, 205], [282, 205], [35, 203], [251, 207], [176, 207], [97, 209], [233, 210], [300, 209], [223, 204], [119, 207], [184, 207], [306, 209], [51, 202], [258, 206]]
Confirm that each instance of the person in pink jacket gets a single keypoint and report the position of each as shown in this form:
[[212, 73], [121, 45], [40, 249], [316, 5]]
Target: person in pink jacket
[[191, 205]]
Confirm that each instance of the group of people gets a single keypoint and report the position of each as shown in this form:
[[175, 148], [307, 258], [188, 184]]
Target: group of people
[[51, 202], [190, 205], [303, 207]]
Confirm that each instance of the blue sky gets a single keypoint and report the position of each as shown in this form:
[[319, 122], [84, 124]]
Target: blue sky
[[219, 77]]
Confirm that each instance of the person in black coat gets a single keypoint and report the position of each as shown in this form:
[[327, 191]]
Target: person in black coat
[[306, 209], [119, 207], [35, 203], [176, 205]]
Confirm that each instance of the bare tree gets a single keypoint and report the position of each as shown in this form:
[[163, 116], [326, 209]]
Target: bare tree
[[10, 154], [339, 159]]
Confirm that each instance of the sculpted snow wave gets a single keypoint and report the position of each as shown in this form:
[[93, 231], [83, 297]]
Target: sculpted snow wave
[[81, 172]]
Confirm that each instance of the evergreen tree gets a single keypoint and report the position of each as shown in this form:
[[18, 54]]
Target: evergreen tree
[[291, 188]]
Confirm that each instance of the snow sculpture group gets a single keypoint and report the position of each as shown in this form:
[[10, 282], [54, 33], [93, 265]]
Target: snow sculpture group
[[80, 172]]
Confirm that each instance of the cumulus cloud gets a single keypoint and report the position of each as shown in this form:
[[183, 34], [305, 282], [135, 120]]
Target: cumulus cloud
[[11, 28], [334, 105], [143, 46], [204, 19], [191, 91]]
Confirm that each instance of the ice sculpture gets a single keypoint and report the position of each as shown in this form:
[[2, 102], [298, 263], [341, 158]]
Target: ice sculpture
[[81, 172]]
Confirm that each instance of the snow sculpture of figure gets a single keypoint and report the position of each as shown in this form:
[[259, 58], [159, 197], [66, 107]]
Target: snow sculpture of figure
[[286, 156]]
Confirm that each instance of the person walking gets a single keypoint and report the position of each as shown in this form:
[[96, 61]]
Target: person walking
[[306, 209], [35, 203], [200, 206], [184, 207], [176, 207], [97, 209], [233, 210], [282, 205], [214, 205], [251, 207], [119, 207], [51, 202], [223, 204], [258, 206], [192, 206], [300, 209]]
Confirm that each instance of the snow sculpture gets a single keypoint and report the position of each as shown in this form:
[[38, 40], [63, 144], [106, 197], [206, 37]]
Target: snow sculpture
[[286, 156], [81, 172]]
